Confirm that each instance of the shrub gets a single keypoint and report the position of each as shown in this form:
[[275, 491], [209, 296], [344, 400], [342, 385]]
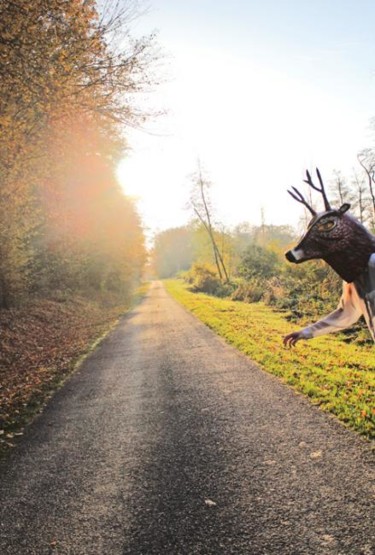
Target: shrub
[[309, 290], [204, 279], [258, 263], [248, 291], [274, 291]]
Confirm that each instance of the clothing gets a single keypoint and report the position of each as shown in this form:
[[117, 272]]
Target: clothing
[[358, 299]]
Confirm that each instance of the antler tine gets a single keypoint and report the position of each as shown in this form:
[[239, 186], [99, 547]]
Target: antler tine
[[320, 190], [297, 195], [300, 198], [309, 181], [326, 201]]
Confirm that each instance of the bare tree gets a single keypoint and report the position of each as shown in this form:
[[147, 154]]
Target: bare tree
[[366, 159], [340, 189], [361, 199], [200, 202]]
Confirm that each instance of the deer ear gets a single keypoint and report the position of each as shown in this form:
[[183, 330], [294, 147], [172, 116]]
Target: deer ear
[[344, 208]]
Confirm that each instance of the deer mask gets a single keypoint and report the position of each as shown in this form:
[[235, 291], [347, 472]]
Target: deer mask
[[333, 236]]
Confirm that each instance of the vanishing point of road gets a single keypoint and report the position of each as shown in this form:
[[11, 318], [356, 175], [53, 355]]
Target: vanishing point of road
[[169, 442]]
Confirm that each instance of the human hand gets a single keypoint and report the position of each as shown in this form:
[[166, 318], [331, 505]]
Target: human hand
[[291, 339]]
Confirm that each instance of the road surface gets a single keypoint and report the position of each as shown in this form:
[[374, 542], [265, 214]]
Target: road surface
[[168, 441]]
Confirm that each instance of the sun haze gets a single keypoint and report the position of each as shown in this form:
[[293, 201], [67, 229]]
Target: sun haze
[[258, 92]]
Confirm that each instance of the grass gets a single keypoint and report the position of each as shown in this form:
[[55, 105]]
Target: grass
[[337, 376]]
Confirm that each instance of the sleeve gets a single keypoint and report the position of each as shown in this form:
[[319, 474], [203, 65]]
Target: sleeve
[[346, 314]]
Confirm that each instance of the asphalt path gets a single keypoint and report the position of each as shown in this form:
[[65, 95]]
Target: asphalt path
[[168, 441]]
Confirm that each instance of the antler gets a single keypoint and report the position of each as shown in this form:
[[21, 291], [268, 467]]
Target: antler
[[300, 198], [320, 190]]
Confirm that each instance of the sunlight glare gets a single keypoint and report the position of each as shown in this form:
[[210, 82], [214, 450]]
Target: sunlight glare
[[254, 128]]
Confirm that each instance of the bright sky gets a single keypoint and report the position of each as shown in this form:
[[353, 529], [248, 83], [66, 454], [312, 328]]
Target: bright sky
[[259, 91]]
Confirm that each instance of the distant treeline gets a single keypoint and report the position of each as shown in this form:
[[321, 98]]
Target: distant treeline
[[67, 78]]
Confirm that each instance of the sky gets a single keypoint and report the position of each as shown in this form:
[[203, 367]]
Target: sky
[[258, 91]]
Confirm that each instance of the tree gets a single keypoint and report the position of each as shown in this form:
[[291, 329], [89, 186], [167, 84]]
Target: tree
[[173, 251], [68, 76], [361, 200], [341, 190], [202, 208], [366, 159]]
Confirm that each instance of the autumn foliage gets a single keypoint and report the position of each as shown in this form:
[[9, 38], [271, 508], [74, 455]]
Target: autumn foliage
[[68, 75]]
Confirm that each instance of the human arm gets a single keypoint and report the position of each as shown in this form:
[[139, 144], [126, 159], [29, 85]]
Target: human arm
[[346, 314]]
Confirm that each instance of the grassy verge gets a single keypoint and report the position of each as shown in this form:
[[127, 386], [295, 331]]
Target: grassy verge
[[41, 345], [337, 376]]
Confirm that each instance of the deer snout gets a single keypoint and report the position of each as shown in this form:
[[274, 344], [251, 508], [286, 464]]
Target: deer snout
[[294, 255], [290, 256]]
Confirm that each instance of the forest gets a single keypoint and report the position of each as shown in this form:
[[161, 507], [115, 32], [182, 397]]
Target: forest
[[66, 95]]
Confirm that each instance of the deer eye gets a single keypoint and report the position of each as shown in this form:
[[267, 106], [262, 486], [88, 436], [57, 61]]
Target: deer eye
[[326, 226]]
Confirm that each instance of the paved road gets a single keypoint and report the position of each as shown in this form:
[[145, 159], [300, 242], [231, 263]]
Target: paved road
[[167, 441]]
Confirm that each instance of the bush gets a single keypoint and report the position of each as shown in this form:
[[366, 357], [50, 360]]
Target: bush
[[204, 279], [274, 291], [307, 291], [249, 291], [258, 263], [225, 290]]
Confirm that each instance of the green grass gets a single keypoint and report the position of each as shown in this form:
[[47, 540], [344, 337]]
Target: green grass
[[339, 377]]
